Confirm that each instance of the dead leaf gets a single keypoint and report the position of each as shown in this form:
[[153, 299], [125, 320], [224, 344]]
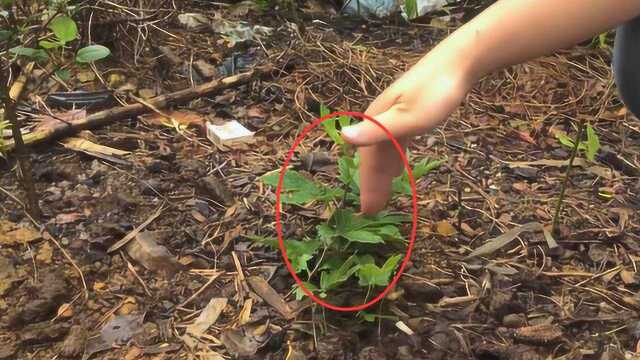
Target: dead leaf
[[231, 211], [539, 334], [548, 236], [8, 275], [153, 256], [80, 144], [119, 331], [497, 243], [45, 253], [245, 313], [86, 76], [95, 150], [65, 311], [468, 230], [628, 277], [623, 217], [242, 342], [606, 278], [215, 189], [522, 187], [270, 296], [255, 112], [207, 317], [68, 218], [502, 270], [133, 353], [15, 234], [194, 21], [229, 236], [128, 307], [99, 286], [116, 79], [120, 243], [599, 253], [182, 119], [622, 112], [146, 93], [524, 136], [198, 216], [206, 70], [444, 228]]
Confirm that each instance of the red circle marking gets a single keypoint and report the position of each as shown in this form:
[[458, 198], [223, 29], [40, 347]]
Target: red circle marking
[[414, 218]]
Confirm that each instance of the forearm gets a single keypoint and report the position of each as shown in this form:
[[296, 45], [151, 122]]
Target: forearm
[[513, 31]]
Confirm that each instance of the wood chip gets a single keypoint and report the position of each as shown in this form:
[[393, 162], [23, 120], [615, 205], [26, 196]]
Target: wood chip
[[135, 231], [543, 334], [208, 317], [270, 296], [404, 328], [497, 243]]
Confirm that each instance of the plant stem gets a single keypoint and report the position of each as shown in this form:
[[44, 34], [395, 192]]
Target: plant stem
[[11, 99], [574, 152]]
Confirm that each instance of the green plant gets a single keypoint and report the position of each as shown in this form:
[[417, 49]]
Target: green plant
[[590, 146], [39, 32], [349, 246], [62, 30], [411, 8], [603, 40]]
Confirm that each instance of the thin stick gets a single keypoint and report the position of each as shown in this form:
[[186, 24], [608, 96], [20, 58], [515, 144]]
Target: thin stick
[[135, 274], [195, 294], [12, 196], [119, 113], [11, 101], [122, 242], [556, 217]]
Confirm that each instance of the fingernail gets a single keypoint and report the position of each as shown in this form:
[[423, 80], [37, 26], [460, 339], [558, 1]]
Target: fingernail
[[351, 132]]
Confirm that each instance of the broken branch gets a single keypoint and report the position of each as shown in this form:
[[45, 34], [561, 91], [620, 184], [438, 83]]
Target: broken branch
[[105, 117]]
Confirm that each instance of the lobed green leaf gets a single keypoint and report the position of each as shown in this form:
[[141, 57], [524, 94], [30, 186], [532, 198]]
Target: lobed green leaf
[[298, 190], [372, 275]]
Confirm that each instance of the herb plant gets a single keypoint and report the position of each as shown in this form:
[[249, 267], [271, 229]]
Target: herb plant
[[349, 250], [41, 33], [590, 147], [61, 30]]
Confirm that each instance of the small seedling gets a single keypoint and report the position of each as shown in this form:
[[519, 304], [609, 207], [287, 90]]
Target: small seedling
[[62, 30], [590, 147], [349, 246], [41, 35]]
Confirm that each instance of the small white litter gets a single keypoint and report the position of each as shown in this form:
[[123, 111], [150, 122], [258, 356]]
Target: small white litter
[[229, 133]]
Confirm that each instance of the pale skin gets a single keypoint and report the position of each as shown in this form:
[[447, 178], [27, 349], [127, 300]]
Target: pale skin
[[507, 33]]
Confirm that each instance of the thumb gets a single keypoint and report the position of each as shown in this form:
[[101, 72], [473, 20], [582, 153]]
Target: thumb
[[399, 122]]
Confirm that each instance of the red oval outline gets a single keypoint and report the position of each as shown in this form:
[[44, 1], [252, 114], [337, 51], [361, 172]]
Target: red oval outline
[[414, 218]]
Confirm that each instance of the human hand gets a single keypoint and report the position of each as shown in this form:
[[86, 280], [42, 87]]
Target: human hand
[[508, 32], [415, 103]]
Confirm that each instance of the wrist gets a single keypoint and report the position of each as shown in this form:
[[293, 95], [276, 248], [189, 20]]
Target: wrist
[[458, 54]]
